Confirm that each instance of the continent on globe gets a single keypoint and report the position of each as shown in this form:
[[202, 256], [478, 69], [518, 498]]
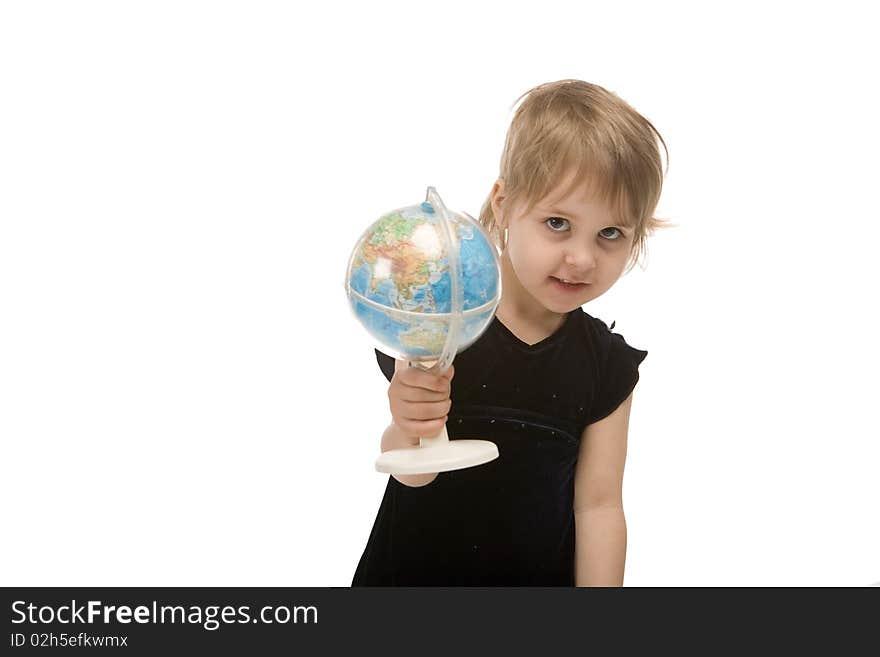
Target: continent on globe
[[424, 339]]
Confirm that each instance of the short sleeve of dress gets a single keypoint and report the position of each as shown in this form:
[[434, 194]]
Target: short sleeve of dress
[[386, 364], [619, 373]]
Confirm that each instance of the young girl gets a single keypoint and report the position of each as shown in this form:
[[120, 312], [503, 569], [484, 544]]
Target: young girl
[[550, 385]]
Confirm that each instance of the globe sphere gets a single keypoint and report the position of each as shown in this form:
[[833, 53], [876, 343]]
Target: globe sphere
[[399, 281]]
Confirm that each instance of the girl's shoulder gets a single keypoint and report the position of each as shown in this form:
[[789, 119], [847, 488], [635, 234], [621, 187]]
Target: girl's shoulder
[[594, 325], [617, 365], [604, 339]]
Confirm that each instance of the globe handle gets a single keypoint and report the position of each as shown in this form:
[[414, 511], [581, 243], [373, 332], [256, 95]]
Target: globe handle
[[436, 368], [439, 439], [450, 346]]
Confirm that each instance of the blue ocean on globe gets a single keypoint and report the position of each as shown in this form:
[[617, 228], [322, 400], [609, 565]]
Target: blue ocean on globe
[[399, 284]]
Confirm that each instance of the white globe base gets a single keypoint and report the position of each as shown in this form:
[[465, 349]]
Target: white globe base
[[437, 455]]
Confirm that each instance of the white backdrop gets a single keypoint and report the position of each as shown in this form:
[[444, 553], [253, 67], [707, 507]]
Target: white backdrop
[[185, 398]]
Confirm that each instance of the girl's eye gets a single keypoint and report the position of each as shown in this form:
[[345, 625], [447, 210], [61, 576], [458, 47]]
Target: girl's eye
[[557, 224], [617, 230], [560, 225]]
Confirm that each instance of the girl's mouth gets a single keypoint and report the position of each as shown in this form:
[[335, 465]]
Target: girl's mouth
[[561, 284]]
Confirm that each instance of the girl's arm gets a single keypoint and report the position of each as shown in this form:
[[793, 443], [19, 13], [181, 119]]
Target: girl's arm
[[395, 438], [420, 402], [600, 526]]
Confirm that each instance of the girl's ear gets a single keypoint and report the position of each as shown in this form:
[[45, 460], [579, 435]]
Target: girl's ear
[[498, 196]]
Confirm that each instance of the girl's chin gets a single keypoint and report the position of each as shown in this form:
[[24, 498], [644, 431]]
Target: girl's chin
[[562, 308], [552, 300]]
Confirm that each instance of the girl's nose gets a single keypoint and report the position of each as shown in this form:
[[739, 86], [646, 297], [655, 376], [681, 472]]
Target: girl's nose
[[580, 259]]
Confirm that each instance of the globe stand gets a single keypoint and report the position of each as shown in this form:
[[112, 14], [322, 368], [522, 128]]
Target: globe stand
[[437, 454], [429, 232]]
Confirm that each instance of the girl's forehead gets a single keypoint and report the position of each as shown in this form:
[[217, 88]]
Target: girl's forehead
[[571, 189], [577, 200]]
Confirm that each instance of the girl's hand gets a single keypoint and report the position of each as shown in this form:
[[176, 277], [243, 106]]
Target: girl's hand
[[419, 400]]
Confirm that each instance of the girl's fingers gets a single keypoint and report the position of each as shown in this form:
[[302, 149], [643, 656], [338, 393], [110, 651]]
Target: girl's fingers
[[422, 428], [420, 410], [426, 410], [420, 379], [420, 395]]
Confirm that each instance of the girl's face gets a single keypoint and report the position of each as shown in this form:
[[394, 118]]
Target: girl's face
[[565, 252]]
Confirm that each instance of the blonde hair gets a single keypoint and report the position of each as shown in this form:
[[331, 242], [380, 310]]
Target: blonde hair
[[572, 125]]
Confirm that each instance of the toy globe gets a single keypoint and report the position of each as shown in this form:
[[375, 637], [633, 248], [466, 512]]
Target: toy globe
[[425, 282]]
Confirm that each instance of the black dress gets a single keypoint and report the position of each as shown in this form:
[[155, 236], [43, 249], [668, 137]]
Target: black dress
[[509, 522]]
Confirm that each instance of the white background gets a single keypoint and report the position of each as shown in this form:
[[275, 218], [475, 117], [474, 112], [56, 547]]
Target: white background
[[185, 398]]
